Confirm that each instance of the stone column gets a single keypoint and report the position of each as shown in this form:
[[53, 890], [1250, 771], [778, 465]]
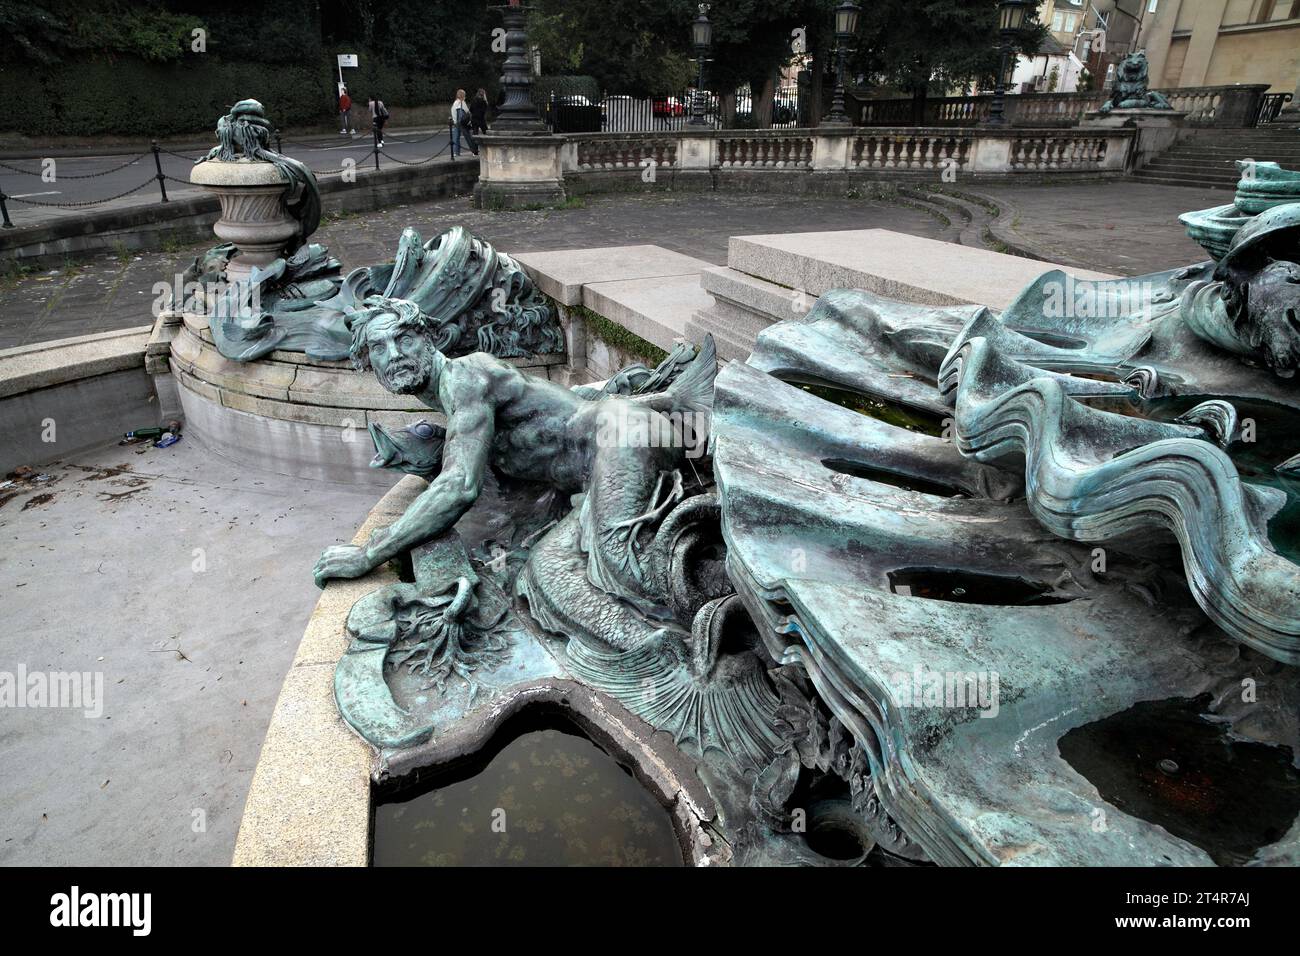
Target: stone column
[[519, 171], [696, 159]]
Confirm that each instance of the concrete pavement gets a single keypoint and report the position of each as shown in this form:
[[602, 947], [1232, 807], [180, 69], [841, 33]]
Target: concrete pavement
[[1124, 228]]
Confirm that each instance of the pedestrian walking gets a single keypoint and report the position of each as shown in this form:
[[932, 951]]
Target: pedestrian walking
[[461, 122], [345, 111], [378, 118], [478, 109]]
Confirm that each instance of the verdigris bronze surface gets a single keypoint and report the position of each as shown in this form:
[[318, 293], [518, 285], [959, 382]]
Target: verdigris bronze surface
[[480, 297], [1131, 92], [969, 587]]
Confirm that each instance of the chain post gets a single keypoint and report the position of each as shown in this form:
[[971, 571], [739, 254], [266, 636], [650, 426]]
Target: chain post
[[157, 162]]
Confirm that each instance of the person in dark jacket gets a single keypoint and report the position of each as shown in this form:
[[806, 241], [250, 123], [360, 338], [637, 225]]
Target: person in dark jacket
[[478, 109]]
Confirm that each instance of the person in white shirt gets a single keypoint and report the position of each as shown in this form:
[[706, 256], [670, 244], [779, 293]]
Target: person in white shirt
[[460, 126], [378, 117]]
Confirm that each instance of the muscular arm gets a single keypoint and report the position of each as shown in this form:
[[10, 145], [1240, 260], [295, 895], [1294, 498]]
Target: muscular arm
[[470, 430], [464, 458]]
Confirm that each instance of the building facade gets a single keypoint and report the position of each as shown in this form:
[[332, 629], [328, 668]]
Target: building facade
[[1217, 42]]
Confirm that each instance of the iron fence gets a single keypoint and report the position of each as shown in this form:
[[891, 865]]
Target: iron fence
[[580, 112]]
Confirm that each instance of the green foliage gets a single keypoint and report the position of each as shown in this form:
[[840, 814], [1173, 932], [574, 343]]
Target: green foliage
[[617, 337], [633, 47], [933, 46], [96, 97], [127, 67], [60, 30]]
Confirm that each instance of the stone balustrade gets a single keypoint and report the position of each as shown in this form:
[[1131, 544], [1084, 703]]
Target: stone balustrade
[[1231, 106], [817, 159], [765, 149]]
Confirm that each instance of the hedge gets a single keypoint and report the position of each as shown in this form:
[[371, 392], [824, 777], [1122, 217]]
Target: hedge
[[129, 97]]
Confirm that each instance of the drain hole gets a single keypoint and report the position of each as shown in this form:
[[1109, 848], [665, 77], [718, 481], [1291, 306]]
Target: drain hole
[[970, 587], [835, 841], [1053, 339], [884, 476]]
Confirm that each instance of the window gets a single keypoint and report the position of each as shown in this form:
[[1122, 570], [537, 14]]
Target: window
[[1270, 11], [1058, 22], [1071, 21], [1151, 7]]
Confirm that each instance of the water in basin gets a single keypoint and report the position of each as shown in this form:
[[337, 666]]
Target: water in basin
[[545, 796]]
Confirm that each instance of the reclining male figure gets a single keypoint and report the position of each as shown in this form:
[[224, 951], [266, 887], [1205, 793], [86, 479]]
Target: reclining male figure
[[528, 428]]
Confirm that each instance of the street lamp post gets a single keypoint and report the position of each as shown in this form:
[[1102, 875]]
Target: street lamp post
[[846, 27], [702, 37], [518, 114], [1011, 17]]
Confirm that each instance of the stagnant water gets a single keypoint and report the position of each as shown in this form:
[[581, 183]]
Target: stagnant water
[[1164, 762], [891, 413], [544, 796]]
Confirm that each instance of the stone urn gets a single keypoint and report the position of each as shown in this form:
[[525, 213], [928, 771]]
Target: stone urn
[[253, 213]]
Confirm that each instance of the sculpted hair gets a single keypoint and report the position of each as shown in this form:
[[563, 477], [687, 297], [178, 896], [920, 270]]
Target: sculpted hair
[[408, 316]]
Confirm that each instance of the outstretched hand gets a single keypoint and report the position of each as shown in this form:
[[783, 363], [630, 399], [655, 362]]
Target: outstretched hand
[[342, 561]]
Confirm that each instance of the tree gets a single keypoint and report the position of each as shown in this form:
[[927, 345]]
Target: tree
[[933, 46], [636, 47]]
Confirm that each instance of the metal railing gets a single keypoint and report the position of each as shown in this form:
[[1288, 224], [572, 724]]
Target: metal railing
[[1271, 107], [574, 112]]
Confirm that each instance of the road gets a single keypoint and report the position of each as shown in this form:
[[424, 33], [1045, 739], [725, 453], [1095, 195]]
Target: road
[[84, 179]]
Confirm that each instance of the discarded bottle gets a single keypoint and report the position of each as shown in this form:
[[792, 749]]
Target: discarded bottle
[[142, 433], [167, 440]]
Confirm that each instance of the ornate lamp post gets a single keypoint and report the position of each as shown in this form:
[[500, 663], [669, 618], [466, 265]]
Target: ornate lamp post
[[846, 28], [520, 163], [517, 113], [702, 36], [1011, 17]]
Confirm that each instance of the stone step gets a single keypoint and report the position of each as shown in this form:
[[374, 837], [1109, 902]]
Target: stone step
[[563, 273], [743, 322], [1227, 186], [1173, 168], [757, 296], [656, 309], [731, 346], [888, 263], [1232, 155]]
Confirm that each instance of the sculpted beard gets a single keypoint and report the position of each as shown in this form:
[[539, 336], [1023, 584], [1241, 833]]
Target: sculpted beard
[[406, 376]]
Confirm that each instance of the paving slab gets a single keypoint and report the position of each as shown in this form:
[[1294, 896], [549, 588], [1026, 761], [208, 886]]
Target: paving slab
[[562, 274], [908, 268]]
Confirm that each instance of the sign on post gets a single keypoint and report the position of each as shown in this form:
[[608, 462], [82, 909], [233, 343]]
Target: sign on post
[[345, 59]]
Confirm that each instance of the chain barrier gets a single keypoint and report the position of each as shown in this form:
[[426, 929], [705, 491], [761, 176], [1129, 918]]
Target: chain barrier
[[418, 162], [162, 178], [86, 202], [103, 172], [188, 159]]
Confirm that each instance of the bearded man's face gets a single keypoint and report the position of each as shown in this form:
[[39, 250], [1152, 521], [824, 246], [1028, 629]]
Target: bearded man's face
[[401, 357]]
